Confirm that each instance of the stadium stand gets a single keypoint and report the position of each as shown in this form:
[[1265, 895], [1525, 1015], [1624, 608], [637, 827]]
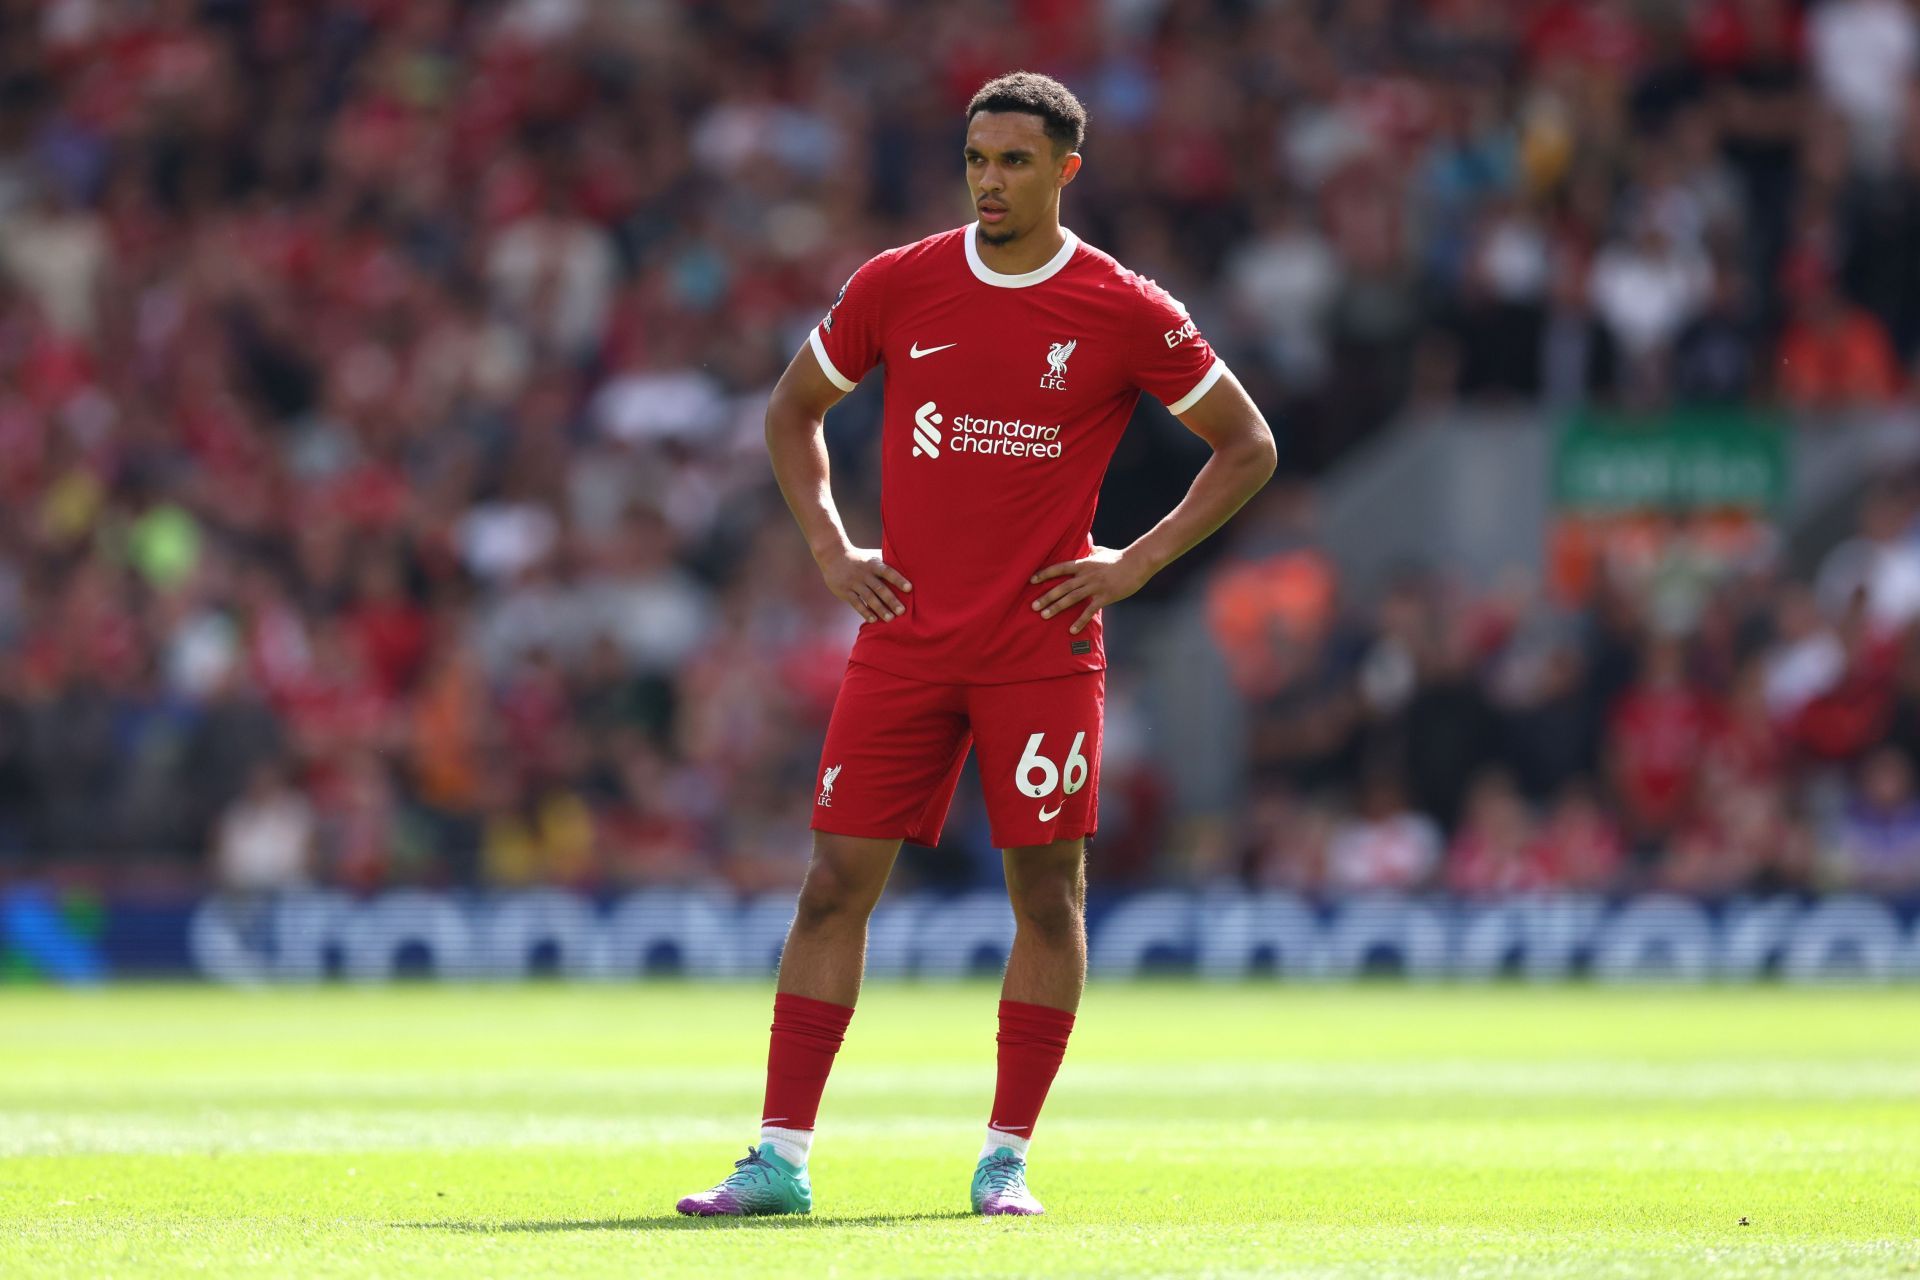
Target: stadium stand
[[382, 499]]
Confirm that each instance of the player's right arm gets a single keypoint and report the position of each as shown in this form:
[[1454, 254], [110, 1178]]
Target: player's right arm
[[796, 443]]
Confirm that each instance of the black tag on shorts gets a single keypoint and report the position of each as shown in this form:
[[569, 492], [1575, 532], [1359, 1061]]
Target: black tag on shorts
[[1083, 646]]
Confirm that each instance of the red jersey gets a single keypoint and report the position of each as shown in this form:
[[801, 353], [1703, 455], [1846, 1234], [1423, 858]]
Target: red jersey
[[1005, 398], [1661, 735]]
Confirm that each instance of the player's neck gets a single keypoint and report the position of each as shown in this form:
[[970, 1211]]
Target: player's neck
[[1028, 253]]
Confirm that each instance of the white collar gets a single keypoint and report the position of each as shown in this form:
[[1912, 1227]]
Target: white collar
[[1001, 279]]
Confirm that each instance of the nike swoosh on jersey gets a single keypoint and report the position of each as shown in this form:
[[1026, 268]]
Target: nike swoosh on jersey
[[915, 352], [1049, 817]]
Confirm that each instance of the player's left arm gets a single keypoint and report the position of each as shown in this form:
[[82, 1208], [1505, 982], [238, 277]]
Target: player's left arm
[[1243, 460]]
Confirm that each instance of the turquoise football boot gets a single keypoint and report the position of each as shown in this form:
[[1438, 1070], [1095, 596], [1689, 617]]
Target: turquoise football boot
[[762, 1183], [1000, 1185]]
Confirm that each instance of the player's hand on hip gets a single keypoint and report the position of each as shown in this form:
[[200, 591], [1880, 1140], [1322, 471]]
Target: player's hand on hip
[[860, 577], [1098, 580]]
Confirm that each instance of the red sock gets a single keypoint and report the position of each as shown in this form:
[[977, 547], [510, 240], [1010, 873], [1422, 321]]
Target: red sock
[[1033, 1039], [806, 1035]]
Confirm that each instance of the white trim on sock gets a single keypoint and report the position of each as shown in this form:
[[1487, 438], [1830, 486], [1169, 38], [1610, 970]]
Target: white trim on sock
[[791, 1145], [998, 1138]]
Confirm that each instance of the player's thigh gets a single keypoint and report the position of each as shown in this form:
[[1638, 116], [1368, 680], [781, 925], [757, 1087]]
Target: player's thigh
[[1047, 884], [892, 757], [1039, 748]]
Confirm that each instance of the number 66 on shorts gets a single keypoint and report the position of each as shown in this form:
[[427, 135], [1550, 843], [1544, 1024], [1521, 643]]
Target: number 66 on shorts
[[1032, 762], [895, 748]]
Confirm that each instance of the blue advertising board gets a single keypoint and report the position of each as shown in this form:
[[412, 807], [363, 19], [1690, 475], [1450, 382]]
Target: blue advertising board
[[1221, 935]]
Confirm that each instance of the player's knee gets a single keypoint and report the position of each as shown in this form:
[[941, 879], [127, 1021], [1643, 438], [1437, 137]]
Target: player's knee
[[832, 895], [1055, 910]]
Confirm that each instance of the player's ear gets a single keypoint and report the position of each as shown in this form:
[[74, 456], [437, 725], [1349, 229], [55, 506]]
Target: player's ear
[[1069, 167]]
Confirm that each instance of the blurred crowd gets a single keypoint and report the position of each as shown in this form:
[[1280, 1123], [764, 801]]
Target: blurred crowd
[[1701, 725], [382, 497]]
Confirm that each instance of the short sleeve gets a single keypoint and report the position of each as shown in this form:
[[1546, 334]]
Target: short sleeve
[[847, 340], [1172, 360]]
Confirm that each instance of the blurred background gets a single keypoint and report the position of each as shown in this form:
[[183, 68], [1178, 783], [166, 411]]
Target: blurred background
[[383, 502]]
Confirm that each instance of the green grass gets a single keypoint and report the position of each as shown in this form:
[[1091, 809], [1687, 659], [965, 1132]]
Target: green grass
[[1217, 1131]]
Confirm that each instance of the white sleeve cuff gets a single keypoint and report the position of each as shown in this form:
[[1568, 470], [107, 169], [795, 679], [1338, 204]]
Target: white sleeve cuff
[[1200, 388], [834, 376]]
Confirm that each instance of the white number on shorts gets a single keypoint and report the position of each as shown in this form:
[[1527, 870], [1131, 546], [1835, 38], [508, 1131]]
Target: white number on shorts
[[1032, 763], [1031, 760], [1076, 764]]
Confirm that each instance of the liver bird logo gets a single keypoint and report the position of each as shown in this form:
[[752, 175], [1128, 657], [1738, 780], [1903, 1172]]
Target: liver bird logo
[[826, 783], [1057, 356]]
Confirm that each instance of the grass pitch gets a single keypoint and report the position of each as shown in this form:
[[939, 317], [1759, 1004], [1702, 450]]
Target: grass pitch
[[1216, 1131]]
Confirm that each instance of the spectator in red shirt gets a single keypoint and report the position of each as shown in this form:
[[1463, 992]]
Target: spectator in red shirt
[[1738, 837], [1579, 844], [391, 629], [1597, 34], [1853, 713], [1656, 737], [1834, 355], [1495, 853]]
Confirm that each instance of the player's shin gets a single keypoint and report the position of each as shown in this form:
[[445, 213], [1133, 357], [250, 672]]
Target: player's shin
[[1033, 1040], [806, 1035]]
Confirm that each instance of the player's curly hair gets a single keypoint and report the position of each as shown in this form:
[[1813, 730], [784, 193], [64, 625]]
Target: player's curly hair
[[1030, 92]]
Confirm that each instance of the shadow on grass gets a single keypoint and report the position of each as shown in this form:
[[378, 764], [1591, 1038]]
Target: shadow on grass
[[681, 1222]]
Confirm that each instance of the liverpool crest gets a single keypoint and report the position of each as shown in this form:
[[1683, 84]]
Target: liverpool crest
[[1055, 378]]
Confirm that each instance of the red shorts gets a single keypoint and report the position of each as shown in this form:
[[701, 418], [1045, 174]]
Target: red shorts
[[895, 746]]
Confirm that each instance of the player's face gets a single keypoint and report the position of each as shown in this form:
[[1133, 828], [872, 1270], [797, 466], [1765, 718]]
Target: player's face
[[1014, 174]]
